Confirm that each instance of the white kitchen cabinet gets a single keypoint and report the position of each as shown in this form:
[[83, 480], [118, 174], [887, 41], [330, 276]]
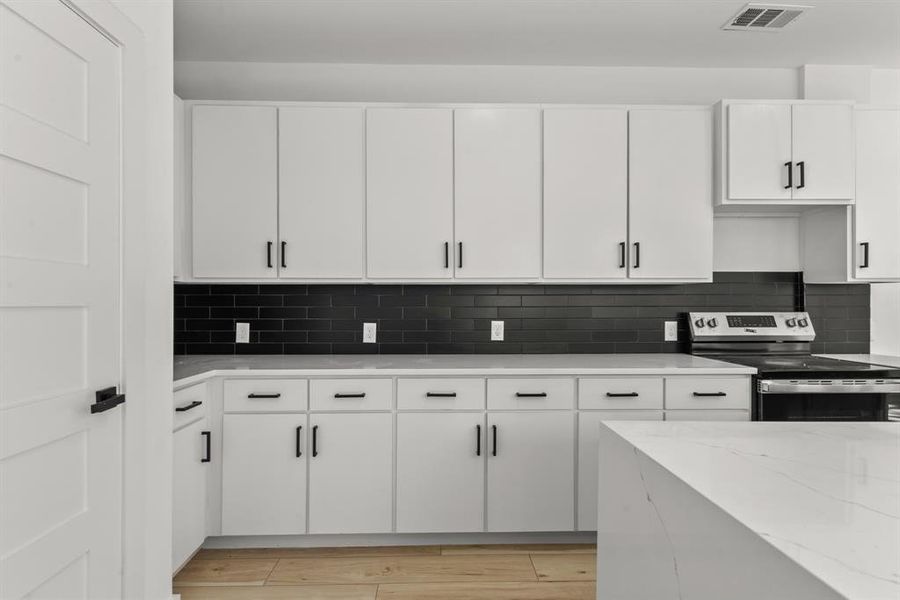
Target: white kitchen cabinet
[[350, 473], [189, 469], [235, 191], [759, 151], [670, 194], [585, 193], [264, 474], [707, 415], [531, 471], [440, 472], [822, 149], [321, 192], [588, 462], [498, 193], [409, 166]]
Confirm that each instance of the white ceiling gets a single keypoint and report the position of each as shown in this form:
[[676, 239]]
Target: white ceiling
[[532, 32]]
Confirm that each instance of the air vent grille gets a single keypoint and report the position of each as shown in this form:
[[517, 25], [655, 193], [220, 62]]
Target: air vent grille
[[762, 17]]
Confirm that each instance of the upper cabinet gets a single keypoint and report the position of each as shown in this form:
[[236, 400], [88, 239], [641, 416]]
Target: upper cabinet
[[785, 152], [498, 193], [409, 165], [321, 192], [235, 191]]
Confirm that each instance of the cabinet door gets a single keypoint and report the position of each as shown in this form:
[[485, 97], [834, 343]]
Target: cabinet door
[[235, 207], [531, 471], [498, 193], [822, 141], [758, 148], [350, 473], [409, 166], [588, 447], [707, 415], [321, 193], [670, 194], [585, 193], [877, 210], [440, 472], [263, 478], [188, 492]]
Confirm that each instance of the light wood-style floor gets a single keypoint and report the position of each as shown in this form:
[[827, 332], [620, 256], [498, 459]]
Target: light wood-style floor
[[507, 572]]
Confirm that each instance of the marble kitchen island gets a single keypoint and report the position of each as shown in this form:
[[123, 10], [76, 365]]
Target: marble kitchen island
[[749, 511]]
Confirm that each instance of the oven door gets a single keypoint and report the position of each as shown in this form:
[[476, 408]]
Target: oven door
[[814, 400]]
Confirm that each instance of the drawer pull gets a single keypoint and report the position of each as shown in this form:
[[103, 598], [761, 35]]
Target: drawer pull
[[440, 394], [531, 394], [188, 407], [264, 395], [354, 395], [622, 395], [710, 394], [208, 436]]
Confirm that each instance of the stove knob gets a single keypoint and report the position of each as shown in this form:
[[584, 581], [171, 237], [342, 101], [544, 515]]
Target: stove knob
[[803, 322], [712, 322], [699, 323], [791, 322]]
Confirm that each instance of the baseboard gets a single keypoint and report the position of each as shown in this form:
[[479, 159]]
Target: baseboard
[[397, 539]]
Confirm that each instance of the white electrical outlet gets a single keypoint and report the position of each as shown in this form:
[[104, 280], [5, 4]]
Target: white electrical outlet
[[242, 333], [671, 331], [496, 331], [368, 333]]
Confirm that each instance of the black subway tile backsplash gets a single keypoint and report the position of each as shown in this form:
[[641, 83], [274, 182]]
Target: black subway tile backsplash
[[539, 319]]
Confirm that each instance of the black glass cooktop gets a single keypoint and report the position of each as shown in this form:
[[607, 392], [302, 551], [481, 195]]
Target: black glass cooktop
[[809, 367]]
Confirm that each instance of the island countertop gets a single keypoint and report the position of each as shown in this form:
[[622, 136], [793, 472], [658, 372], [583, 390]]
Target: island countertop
[[826, 495], [190, 369]]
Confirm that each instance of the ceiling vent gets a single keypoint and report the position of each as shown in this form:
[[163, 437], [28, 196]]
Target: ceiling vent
[[764, 17]]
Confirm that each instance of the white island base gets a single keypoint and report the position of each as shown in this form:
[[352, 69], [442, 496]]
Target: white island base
[[748, 511]]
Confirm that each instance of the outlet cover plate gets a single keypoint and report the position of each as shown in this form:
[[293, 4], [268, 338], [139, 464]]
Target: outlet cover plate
[[242, 333], [671, 331], [368, 333], [496, 331]]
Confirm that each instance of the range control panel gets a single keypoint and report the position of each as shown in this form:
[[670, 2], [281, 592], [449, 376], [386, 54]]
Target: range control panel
[[779, 326]]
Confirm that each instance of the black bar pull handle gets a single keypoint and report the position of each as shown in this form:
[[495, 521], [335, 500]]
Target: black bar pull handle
[[459, 264], [478, 440], [710, 394], [446, 255], [208, 437], [622, 395], [790, 174], [494, 436], [802, 166], [269, 254], [865, 263], [440, 394], [315, 441], [283, 257], [264, 395], [188, 407], [297, 441], [531, 394], [106, 399], [637, 255], [621, 255], [353, 395]]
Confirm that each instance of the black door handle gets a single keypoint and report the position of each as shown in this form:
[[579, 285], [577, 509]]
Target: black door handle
[[802, 183], [440, 394], [494, 435], [269, 254], [283, 257], [637, 255], [354, 395], [790, 181], [621, 255], [297, 441], [106, 399], [478, 440], [709, 394], [459, 265], [315, 447], [623, 395], [531, 394], [865, 247], [264, 395], [208, 436], [188, 407], [446, 255]]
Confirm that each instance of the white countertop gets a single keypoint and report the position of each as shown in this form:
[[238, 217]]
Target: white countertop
[[876, 359], [192, 369], [827, 495]]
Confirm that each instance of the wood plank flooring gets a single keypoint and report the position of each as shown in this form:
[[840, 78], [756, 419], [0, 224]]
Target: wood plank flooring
[[502, 572]]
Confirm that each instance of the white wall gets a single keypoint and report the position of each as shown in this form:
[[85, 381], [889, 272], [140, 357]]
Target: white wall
[[748, 243]]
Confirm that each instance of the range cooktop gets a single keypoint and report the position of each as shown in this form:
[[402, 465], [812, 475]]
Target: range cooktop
[[808, 366]]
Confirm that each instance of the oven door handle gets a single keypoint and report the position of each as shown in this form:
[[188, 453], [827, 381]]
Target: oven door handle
[[872, 386]]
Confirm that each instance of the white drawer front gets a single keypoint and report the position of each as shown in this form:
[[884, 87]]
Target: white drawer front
[[707, 415], [708, 392], [530, 393], [265, 395], [621, 393], [189, 404], [350, 394], [440, 394]]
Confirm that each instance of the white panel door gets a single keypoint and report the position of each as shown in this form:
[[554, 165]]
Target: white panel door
[[263, 474], [877, 209], [409, 198], [321, 192], [60, 181], [189, 462], [498, 192], [235, 191], [531, 471], [585, 193], [670, 194], [440, 472], [759, 151], [588, 460], [822, 148], [350, 473]]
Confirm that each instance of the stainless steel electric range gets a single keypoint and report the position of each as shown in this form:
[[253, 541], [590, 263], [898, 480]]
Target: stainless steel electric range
[[791, 384]]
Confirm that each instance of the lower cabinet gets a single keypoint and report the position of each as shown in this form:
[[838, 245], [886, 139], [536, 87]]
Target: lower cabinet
[[440, 472], [707, 415], [264, 474], [189, 460], [531, 471], [351, 473]]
